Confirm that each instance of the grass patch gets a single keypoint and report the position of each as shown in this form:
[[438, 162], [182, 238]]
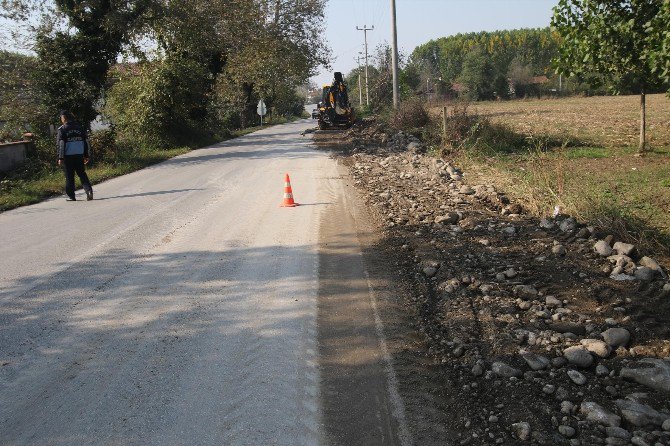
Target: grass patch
[[586, 152], [28, 186]]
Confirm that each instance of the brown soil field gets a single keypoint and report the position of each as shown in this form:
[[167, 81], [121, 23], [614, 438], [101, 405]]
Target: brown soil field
[[609, 121]]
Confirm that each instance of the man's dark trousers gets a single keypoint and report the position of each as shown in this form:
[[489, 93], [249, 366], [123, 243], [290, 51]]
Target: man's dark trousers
[[75, 164]]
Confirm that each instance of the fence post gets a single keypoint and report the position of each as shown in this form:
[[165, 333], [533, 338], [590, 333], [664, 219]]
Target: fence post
[[444, 122]]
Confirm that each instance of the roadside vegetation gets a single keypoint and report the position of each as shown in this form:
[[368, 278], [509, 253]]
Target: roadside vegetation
[[169, 77], [576, 153]]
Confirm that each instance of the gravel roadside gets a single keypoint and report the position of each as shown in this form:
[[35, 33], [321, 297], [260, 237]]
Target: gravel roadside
[[515, 330]]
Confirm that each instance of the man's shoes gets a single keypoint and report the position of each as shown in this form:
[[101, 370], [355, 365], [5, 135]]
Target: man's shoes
[[89, 195], [70, 199]]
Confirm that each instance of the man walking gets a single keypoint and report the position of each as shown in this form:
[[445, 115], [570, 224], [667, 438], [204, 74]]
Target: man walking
[[73, 154]]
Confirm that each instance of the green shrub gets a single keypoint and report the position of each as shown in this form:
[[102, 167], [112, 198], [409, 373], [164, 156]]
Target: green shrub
[[104, 147], [288, 103], [162, 104]]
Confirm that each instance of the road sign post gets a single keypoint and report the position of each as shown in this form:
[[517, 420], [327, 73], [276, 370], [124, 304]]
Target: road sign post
[[261, 110]]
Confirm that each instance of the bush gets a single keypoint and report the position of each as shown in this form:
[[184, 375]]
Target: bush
[[288, 103], [473, 132], [162, 104], [411, 115], [104, 147]]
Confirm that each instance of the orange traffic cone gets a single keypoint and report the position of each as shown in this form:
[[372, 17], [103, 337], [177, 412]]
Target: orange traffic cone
[[288, 194]]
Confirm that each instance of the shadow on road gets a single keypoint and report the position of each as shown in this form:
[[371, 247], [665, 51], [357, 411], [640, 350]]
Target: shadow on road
[[97, 353], [146, 194]]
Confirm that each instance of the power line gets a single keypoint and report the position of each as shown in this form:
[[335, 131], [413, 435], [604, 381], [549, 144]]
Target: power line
[[356, 14], [380, 12]]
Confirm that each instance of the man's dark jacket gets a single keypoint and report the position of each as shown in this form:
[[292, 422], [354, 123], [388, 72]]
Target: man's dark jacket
[[71, 140]]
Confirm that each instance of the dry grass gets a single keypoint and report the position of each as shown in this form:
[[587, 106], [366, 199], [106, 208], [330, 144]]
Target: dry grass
[[611, 121], [600, 179]]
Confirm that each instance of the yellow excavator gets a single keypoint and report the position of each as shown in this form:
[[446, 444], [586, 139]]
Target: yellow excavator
[[335, 110]]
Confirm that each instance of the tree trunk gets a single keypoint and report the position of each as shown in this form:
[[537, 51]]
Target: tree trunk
[[643, 121], [247, 117]]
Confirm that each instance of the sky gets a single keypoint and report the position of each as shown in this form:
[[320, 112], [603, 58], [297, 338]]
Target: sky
[[418, 22]]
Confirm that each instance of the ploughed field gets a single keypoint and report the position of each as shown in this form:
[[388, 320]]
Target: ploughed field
[[603, 121]]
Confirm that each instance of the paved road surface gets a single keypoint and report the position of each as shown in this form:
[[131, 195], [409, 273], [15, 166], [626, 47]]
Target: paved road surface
[[181, 307]]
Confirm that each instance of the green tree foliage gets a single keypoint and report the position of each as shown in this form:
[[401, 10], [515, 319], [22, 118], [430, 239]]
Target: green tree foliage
[[159, 104], [76, 46], [486, 57], [208, 62], [614, 39], [659, 54], [477, 75], [283, 47], [19, 102], [230, 53], [167, 98]]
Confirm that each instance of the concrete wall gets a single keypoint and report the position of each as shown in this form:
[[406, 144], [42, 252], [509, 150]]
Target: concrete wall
[[13, 154]]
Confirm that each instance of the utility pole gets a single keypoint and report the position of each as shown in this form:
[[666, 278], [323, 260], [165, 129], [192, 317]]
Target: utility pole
[[360, 88], [394, 55], [365, 30]]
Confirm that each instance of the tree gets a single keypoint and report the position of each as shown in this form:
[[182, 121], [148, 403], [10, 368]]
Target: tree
[[533, 48], [659, 56], [76, 44], [612, 38], [207, 60], [478, 76], [19, 105], [521, 77], [154, 105], [284, 47]]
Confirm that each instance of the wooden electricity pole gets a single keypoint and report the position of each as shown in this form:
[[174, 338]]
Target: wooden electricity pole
[[360, 88], [394, 55]]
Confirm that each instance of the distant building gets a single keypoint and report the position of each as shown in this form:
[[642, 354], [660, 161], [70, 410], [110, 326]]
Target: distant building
[[458, 87], [539, 80]]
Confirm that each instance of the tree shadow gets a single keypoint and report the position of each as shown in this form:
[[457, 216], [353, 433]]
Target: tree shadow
[[146, 194], [106, 350], [288, 148]]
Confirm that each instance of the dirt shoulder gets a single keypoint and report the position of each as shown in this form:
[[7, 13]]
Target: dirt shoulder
[[357, 407], [505, 329]]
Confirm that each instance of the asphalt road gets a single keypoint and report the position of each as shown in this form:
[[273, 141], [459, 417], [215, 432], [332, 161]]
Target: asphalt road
[[181, 307]]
